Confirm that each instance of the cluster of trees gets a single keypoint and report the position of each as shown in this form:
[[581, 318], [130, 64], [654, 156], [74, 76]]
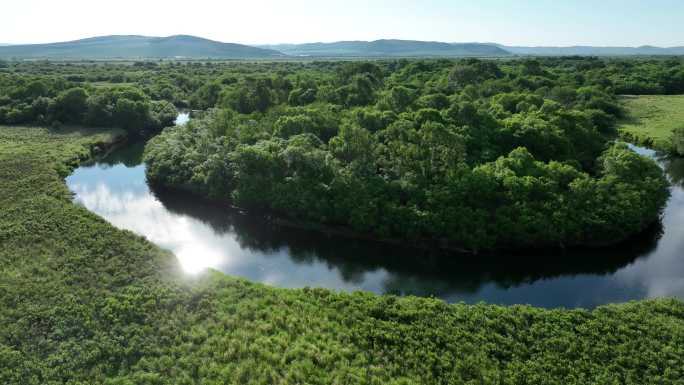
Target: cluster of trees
[[473, 154], [410, 149], [56, 101], [645, 77]]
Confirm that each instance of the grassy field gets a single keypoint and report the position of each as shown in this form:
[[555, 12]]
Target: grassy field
[[84, 303], [651, 120]]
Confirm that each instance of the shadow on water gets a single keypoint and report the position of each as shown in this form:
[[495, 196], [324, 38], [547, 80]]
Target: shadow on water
[[130, 155], [439, 272], [674, 167]]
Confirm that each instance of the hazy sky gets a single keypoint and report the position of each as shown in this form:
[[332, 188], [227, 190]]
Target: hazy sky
[[516, 22]]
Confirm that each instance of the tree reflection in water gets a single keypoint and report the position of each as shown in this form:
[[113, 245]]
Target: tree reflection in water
[[411, 271]]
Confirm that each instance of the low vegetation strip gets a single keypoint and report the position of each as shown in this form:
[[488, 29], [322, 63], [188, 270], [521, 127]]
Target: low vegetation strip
[[655, 120], [82, 302]]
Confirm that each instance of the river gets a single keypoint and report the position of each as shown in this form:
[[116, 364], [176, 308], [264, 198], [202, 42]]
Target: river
[[202, 236]]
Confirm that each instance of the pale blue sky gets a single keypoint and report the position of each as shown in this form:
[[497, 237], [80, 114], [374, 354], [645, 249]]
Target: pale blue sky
[[521, 22]]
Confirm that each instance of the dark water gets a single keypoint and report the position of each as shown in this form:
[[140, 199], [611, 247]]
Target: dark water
[[205, 236]]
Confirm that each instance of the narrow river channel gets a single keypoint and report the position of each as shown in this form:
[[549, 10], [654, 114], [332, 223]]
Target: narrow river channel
[[205, 236]]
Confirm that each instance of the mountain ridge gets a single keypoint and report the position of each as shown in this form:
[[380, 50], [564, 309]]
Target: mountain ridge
[[193, 47], [387, 48], [588, 50], [137, 46]]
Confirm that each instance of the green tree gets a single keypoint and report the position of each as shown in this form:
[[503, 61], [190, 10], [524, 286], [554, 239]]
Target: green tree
[[206, 96], [473, 71], [71, 105], [133, 116]]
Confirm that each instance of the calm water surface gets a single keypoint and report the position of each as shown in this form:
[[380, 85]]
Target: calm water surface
[[205, 236]]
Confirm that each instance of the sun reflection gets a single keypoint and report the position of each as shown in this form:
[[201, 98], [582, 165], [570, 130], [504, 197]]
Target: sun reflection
[[143, 214], [196, 244], [195, 257]]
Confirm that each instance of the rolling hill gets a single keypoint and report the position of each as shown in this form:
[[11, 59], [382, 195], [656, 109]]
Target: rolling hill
[[137, 47], [592, 51], [389, 48], [191, 47]]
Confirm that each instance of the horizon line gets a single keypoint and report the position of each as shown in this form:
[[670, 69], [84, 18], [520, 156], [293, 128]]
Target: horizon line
[[577, 45]]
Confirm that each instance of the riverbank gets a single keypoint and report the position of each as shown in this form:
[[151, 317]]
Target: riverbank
[[651, 119], [204, 235], [81, 301]]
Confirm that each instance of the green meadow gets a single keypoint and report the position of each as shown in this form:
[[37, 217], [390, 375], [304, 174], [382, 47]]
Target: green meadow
[[652, 119]]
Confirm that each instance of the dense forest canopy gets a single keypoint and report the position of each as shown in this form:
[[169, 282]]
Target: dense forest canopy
[[459, 153], [465, 154]]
